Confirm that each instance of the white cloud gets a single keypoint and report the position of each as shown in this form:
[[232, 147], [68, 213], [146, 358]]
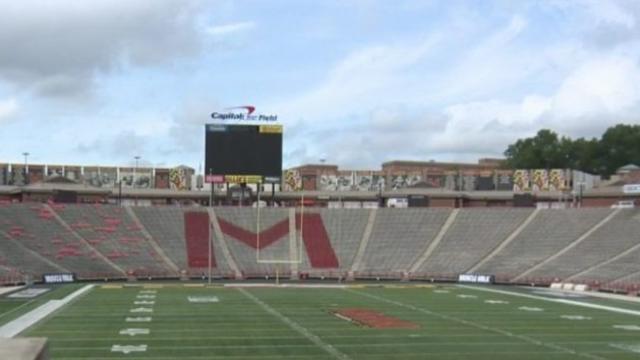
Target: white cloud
[[357, 83], [600, 86], [8, 107], [227, 29], [58, 47]]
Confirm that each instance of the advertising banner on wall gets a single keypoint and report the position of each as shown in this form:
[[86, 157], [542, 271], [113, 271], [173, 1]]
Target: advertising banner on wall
[[521, 180], [540, 180], [557, 180]]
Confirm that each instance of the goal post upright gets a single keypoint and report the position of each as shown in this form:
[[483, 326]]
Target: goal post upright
[[293, 257]]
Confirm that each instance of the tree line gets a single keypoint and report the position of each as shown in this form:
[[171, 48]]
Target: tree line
[[618, 146]]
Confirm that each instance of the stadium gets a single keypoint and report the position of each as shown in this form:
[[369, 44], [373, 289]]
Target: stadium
[[341, 180], [114, 279]]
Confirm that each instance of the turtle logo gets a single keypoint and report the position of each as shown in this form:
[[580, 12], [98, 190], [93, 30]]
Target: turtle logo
[[250, 108]]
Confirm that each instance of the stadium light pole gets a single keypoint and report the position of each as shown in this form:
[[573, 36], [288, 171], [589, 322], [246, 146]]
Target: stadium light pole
[[210, 227], [135, 171], [26, 164]]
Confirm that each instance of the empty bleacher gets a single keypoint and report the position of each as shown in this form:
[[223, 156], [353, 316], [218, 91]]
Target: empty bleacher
[[239, 227], [36, 228], [345, 228], [580, 245], [398, 238], [166, 226], [111, 232], [616, 236], [549, 232], [471, 237], [14, 255]]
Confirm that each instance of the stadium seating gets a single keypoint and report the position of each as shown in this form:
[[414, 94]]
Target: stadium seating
[[549, 232], [14, 255], [345, 228], [472, 236], [36, 228], [111, 232], [166, 225], [594, 246], [399, 237], [239, 227], [623, 229]]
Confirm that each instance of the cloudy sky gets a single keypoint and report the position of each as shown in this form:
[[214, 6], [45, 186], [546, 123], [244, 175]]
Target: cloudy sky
[[353, 82]]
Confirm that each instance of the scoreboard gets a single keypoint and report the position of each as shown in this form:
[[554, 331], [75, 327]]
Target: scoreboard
[[243, 153]]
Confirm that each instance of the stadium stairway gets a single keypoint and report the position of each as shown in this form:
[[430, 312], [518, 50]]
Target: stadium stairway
[[473, 234], [165, 225], [112, 233], [505, 243], [398, 238], [151, 241], [15, 255], [559, 254], [99, 261], [434, 244], [364, 242], [220, 243]]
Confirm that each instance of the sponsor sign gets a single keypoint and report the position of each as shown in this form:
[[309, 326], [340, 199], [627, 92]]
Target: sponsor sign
[[271, 129], [631, 189], [476, 279], [58, 278], [243, 113], [239, 179], [271, 179], [216, 179]]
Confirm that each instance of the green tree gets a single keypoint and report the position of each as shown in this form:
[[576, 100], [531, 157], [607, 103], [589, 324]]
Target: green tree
[[618, 146], [545, 150]]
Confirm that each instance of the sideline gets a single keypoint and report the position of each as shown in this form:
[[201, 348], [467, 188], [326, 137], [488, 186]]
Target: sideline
[[29, 319], [297, 327], [559, 301]]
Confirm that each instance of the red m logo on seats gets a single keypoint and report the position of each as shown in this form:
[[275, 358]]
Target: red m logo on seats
[[314, 234]]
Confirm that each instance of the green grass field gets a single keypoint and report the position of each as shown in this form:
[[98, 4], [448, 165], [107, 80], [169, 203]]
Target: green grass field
[[270, 323]]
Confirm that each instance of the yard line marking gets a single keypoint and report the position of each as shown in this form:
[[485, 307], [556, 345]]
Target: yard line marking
[[134, 332], [144, 302], [530, 308], [138, 319], [560, 301], [126, 349], [478, 326], [141, 310], [627, 327], [295, 326]]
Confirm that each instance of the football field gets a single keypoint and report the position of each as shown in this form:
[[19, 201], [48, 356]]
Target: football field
[[177, 321]]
